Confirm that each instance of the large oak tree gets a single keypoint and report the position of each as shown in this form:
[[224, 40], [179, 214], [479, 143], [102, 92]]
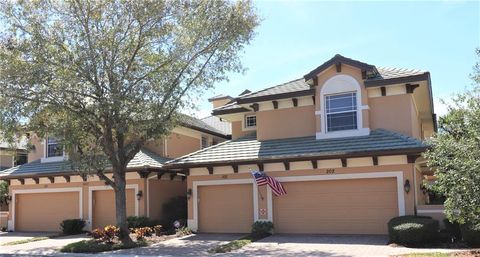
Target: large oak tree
[[106, 76]]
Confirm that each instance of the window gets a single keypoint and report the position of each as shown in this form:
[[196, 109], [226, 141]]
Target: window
[[341, 111], [53, 148], [21, 159], [250, 121], [204, 142]]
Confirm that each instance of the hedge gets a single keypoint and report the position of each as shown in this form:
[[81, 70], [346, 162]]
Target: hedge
[[72, 226], [413, 230]]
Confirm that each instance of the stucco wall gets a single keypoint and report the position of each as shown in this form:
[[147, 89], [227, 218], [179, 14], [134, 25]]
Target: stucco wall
[[237, 130], [160, 192], [38, 150], [179, 145], [395, 113], [286, 123]]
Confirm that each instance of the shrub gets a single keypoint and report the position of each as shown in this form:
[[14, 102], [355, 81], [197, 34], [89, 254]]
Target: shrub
[[174, 209], [158, 230], [141, 233], [95, 246], [139, 222], [3, 229], [412, 230], [262, 228], [453, 229], [471, 234], [183, 231], [109, 233], [97, 233], [72, 226]]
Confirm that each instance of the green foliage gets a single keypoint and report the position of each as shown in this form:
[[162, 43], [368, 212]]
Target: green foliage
[[453, 229], [3, 192], [174, 209], [72, 226], [25, 241], [94, 246], [471, 234], [262, 228], [183, 231], [140, 222], [454, 155], [412, 230], [231, 246]]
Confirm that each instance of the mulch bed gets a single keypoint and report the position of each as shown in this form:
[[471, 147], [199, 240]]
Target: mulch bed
[[471, 253]]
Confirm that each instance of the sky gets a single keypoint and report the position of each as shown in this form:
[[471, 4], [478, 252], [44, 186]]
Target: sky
[[295, 37]]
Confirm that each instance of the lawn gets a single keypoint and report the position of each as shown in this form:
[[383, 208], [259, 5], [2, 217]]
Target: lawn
[[94, 246], [24, 241]]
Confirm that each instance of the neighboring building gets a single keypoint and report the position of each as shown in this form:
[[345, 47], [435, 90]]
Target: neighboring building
[[46, 191], [11, 156], [345, 141]]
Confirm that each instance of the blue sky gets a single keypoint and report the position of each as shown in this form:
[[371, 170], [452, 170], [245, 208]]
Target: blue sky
[[297, 36]]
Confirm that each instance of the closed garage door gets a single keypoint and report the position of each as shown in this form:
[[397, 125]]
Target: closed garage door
[[361, 206], [104, 207], [225, 208], [45, 211]]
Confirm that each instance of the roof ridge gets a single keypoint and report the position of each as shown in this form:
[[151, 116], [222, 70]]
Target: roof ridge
[[398, 68]]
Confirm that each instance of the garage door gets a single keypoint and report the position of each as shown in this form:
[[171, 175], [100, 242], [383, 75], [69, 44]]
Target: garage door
[[361, 206], [45, 211], [103, 202], [225, 208]]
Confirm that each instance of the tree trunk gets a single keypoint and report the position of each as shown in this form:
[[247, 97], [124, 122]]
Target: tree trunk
[[121, 207]]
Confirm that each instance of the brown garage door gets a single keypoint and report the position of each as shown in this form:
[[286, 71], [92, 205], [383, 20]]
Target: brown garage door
[[103, 202], [361, 206], [45, 211], [225, 208]]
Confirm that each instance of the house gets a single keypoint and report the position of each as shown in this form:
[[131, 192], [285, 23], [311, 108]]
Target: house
[[345, 140], [47, 190]]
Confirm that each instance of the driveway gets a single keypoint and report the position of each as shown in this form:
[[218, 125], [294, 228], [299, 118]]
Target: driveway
[[194, 245], [41, 248], [326, 245]]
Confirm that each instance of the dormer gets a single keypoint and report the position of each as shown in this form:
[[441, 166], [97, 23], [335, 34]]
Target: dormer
[[340, 98], [53, 152]]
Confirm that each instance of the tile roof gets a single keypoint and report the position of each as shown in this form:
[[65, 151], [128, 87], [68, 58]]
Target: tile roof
[[194, 123], [143, 159], [224, 126], [288, 87], [248, 148], [389, 73], [381, 76]]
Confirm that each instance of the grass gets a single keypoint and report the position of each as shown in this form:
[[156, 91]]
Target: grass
[[94, 246], [24, 241], [236, 244]]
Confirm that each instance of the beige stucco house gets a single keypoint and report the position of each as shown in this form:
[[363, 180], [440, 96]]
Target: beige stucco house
[[345, 141], [46, 191]]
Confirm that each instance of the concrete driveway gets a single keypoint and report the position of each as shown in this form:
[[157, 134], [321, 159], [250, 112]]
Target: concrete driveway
[[194, 245], [326, 245], [42, 248]]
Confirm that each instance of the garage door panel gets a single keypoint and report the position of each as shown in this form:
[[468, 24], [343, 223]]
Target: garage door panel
[[361, 206], [45, 211], [225, 208], [104, 207]]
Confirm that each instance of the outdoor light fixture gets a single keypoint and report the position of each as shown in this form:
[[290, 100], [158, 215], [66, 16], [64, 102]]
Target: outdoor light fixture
[[189, 193], [139, 195], [406, 186]]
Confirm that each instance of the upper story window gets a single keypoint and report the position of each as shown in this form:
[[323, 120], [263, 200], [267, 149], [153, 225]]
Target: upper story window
[[53, 148], [204, 142], [250, 121], [341, 111]]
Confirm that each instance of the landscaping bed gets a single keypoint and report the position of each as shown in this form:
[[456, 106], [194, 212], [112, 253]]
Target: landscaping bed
[[469, 253]]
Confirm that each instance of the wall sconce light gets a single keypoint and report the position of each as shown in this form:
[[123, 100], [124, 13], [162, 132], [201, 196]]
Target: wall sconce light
[[406, 186], [189, 193], [139, 195]]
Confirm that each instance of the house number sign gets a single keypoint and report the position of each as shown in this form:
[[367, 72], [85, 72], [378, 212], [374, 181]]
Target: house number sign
[[263, 211], [330, 171]]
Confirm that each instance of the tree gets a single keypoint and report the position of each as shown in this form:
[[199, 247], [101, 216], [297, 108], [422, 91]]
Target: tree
[[3, 193], [454, 154], [106, 76]]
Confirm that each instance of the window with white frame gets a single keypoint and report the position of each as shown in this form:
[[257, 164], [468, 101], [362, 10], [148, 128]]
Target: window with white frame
[[204, 142], [341, 111], [250, 121], [54, 149]]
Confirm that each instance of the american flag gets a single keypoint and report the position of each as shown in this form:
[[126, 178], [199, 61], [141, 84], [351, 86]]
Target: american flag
[[276, 186], [260, 178]]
